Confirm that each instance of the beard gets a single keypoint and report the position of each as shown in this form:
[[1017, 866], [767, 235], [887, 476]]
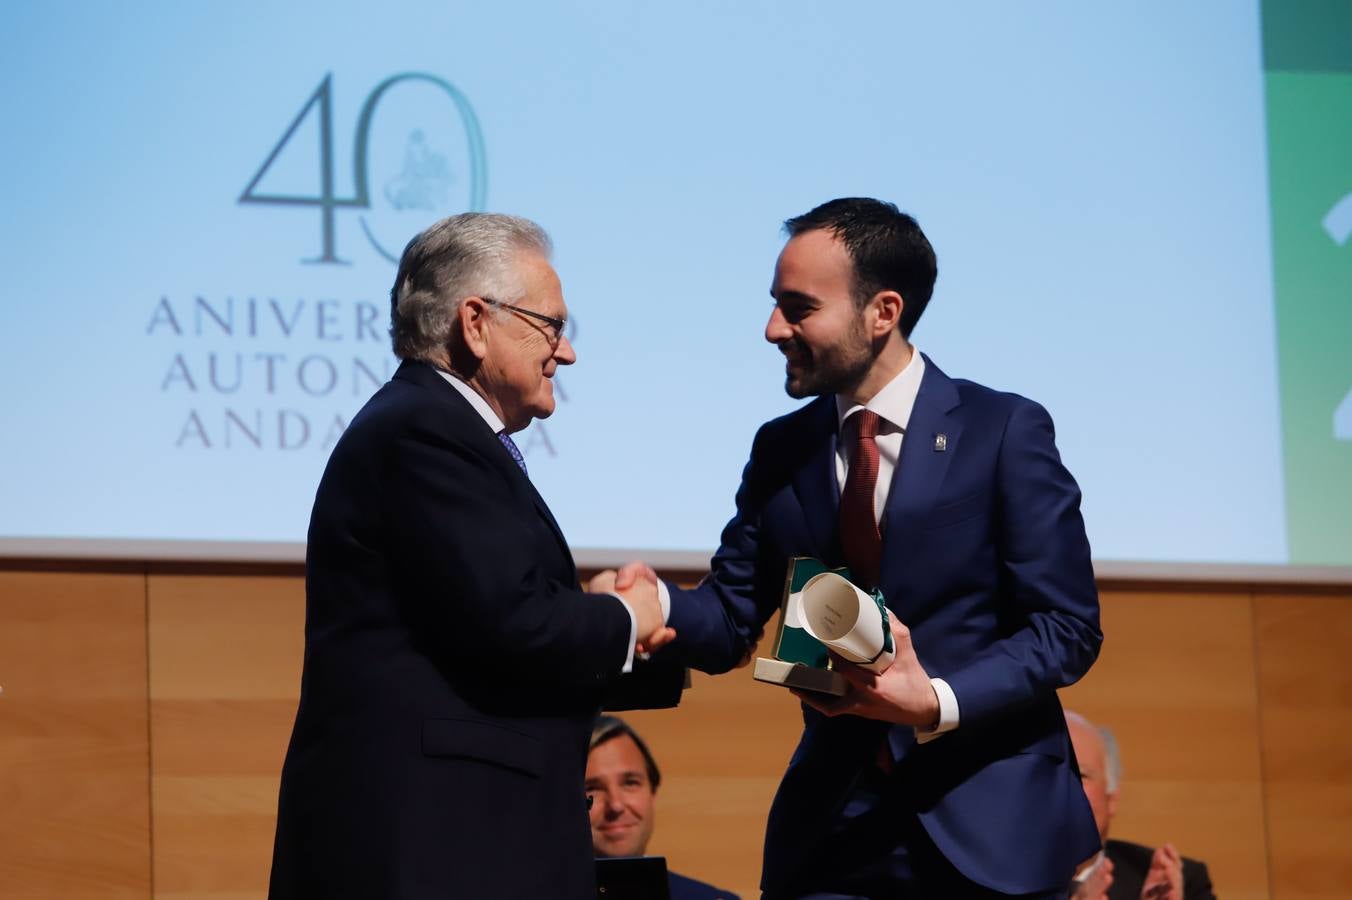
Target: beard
[[834, 369]]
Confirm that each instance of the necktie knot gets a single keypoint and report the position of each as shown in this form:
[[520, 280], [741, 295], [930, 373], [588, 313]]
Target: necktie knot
[[868, 422], [513, 450]]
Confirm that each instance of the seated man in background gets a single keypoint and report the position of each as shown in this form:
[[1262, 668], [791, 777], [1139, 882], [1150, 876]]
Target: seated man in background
[[1123, 870], [622, 781]]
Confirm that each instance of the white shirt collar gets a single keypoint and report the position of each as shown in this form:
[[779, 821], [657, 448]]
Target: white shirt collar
[[475, 400], [896, 399]]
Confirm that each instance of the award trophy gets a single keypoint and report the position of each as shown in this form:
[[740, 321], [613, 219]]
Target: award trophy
[[823, 609]]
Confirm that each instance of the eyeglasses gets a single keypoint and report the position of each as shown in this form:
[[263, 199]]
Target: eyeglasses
[[556, 326]]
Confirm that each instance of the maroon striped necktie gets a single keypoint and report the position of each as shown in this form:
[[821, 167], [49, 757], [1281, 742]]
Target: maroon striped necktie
[[859, 535]]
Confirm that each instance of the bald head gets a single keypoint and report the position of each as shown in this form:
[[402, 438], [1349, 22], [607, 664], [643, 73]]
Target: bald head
[[1096, 751]]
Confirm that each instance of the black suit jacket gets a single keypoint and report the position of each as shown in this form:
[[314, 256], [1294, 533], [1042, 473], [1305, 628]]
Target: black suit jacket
[[1131, 862], [452, 670]]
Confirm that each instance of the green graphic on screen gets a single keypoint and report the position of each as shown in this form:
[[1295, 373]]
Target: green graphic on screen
[[1308, 79]]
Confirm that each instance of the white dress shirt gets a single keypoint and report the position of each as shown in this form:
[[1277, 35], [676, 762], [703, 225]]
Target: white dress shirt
[[491, 418], [893, 404]]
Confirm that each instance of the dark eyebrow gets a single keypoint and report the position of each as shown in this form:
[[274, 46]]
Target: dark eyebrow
[[793, 297]]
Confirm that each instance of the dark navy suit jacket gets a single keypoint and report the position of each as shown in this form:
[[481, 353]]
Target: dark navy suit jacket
[[985, 559], [452, 670], [683, 888]]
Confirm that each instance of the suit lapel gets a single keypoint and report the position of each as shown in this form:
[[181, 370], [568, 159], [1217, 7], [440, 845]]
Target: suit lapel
[[814, 483], [543, 509], [920, 470], [476, 430]]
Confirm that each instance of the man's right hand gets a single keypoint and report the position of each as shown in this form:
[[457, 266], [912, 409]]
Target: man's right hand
[[602, 582], [632, 572], [636, 571], [636, 582]]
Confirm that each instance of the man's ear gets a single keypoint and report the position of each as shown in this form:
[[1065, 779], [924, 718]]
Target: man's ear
[[889, 305], [473, 315], [1112, 805]]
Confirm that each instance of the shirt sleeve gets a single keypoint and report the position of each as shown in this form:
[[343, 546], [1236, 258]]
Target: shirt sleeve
[[948, 713]]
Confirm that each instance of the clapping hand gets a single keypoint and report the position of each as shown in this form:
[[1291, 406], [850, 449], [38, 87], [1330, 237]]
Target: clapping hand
[[1095, 887], [1164, 880]]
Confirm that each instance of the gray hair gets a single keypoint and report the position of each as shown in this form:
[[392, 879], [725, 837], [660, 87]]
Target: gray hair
[[1112, 758], [469, 255]]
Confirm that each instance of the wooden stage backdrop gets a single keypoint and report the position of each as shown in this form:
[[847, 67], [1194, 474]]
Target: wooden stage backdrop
[[144, 712]]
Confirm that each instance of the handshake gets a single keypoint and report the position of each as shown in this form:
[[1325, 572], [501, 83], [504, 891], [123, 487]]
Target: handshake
[[637, 583]]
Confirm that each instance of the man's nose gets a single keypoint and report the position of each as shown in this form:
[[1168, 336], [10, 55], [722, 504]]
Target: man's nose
[[777, 330], [564, 354]]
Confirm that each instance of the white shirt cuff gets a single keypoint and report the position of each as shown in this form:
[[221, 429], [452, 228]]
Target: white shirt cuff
[[664, 599], [948, 712], [633, 635]]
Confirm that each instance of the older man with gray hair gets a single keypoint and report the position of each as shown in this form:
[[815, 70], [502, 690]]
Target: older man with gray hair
[[453, 666], [1123, 870]]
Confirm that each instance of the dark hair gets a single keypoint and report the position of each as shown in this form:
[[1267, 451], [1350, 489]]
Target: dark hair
[[607, 728], [887, 247]]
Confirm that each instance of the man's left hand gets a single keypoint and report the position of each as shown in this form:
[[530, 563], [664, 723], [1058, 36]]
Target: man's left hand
[[1164, 881], [901, 694]]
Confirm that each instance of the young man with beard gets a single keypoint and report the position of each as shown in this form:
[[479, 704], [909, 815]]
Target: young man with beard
[[951, 774]]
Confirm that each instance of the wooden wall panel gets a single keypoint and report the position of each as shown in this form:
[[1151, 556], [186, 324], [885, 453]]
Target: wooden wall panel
[[1176, 683], [1305, 687], [1234, 712], [722, 752], [74, 766], [225, 659]]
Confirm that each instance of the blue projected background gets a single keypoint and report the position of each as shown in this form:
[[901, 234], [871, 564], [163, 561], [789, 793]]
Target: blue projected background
[[1094, 180]]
